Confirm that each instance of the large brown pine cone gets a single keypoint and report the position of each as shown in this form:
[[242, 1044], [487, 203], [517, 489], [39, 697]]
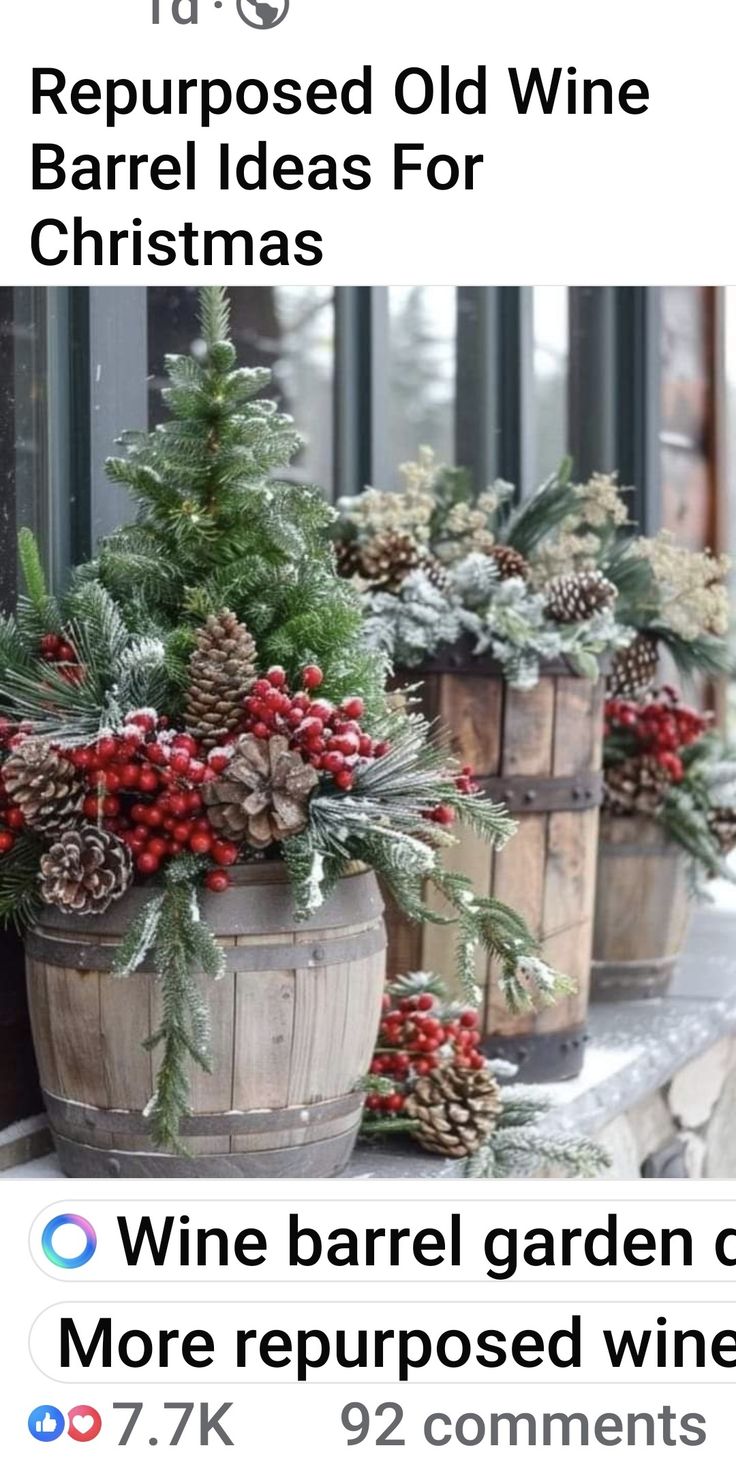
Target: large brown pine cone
[[635, 786], [386, 559], [221, 671], [457, 1109], [85, 870], [45, 784], [572, 598], [511, 564], [264, 795], [634, 668]]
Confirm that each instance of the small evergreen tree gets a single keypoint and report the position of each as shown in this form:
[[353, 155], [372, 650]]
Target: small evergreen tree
[[215, 527]]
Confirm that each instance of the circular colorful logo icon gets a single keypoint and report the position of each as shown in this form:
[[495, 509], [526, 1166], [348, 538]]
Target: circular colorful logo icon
[[46, 1423], [67, 1257], [84, 1423]]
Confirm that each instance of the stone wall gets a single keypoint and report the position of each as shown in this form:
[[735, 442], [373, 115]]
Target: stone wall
[[684, 1129]]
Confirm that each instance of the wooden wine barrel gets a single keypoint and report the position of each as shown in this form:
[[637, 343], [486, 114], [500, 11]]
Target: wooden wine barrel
[[643, 910], [294, 1022], [540, 753]]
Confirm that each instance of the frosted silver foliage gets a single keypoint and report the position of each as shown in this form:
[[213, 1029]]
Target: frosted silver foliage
[[505, 618]]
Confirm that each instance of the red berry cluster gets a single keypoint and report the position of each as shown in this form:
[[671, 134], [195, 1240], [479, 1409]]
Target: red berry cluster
[[11, 822], [417, 1034], [660, 727], [144, 785], [443, 813], [329, 737], [11, 817], [61, 654]]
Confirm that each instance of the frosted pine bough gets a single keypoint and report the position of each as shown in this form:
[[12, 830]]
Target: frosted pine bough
[[557, 577]]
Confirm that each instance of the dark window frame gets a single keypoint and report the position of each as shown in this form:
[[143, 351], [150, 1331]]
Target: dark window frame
[[614, 403], [96, 357]]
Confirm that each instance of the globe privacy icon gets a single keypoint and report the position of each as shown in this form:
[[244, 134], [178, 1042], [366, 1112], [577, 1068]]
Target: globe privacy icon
[[46, 1423], [263, 15], [80, 1238]]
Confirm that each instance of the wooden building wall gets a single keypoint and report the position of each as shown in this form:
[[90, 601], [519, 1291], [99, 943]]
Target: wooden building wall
[[689, 490]]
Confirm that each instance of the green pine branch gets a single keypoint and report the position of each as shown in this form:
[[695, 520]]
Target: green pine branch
[[710, 656], [20, 897], [524, 1152], [182, 950], [214, 315], [686, 822], [543, 512]]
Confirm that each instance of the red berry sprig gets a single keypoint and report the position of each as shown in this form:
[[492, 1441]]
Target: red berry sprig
[[328, 737], [144, 785], [419, 1033], [12, 818], [660, 727], [465, 784], [62, 655], [56, 648]]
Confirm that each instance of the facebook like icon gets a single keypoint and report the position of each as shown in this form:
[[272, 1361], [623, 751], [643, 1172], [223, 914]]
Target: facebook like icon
[[46, 1423]]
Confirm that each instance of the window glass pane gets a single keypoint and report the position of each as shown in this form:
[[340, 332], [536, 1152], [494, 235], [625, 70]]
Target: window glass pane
[[422, 371], [551, 364], [291, 329]]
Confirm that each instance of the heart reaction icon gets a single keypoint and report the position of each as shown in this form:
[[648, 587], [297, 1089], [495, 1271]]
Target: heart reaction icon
[[84, 1423]]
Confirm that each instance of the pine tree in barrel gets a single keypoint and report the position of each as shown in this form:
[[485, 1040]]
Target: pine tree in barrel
[[200, 714]]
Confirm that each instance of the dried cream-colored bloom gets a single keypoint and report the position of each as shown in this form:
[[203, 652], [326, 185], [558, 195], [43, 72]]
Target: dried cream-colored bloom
[[694, 598], [375, 512], [419, 476], [601, 501], [574, 545], [498, 493], [465, 531], [564, 554]]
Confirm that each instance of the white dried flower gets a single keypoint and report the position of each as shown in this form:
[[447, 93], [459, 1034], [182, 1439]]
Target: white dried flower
[[694, 597]]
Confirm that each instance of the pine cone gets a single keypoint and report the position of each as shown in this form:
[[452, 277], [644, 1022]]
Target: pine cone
[[457, 1109], [634, 668], [85, 870], [386, 559], [572, 598], [348, 558], [436, 573], [45, 784], [635, 786], [511, 564], [264, 797], [221, 670], [722, 824]]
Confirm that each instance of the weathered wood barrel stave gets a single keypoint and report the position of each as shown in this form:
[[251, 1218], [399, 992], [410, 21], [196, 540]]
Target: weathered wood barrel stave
[[540, 752], [293, 1025], [643, 910]]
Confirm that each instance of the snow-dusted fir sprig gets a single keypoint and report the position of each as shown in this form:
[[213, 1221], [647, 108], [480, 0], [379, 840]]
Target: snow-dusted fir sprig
[[474, 580], [411, 626], [518, 633], [526, 1151], [169, 929]]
